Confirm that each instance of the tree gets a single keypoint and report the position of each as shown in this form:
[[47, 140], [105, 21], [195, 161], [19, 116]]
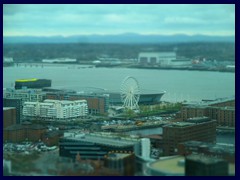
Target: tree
[[129, 113]]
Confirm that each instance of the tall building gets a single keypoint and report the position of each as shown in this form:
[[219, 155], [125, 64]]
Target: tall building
[[9, 116], [17, 103], [199, 129]]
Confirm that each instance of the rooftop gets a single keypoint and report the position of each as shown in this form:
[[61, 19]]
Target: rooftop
[[109, 140], [209, 102], [198, 119], [24, 91], [170, 165], [104, 140], [189, 122], [7, 108], [175, 166], [215, 148], [180, 124], [24, 126], [204, 159]]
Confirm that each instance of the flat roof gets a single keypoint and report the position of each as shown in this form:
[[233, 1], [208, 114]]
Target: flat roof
[[180, 124], [114, 141], [22, 126], [204, 159], [209, 103], [189, 122], [175, 165], [170, 165]]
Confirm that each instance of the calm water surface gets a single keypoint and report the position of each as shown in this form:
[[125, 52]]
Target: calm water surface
[[179, 85]]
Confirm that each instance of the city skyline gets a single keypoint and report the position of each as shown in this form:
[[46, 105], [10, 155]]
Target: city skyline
[[85, 19]]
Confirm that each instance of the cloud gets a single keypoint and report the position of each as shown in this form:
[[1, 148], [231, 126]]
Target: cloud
[[68, 19], [183, 20]]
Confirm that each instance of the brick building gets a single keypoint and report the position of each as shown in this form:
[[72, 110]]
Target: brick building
[[199, 129], [21, 132], [193, 111], [226, 116], [223, 111], [52, 138], [9, 116], [17, 103]]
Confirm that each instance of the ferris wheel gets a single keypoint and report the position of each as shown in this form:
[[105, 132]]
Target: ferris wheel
[[130, 93]]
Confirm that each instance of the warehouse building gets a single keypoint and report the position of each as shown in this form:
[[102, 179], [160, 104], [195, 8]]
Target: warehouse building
[[198, 129], [222, 110], [23, 132], [163, 58]]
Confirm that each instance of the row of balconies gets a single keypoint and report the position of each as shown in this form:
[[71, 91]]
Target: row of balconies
[[54, 113]]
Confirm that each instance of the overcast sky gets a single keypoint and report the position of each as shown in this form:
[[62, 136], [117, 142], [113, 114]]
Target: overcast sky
[[66, 20]]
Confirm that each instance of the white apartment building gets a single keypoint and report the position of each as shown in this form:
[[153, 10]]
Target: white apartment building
[[30, 109], [47, 110], [56, 109]]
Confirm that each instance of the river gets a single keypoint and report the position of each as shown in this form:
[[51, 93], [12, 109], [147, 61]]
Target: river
[[179, 85]]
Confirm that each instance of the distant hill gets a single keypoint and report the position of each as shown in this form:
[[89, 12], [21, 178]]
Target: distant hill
[[121, 38]]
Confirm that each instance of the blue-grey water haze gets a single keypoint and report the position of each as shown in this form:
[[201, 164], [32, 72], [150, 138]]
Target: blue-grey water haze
[[179, 85]]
